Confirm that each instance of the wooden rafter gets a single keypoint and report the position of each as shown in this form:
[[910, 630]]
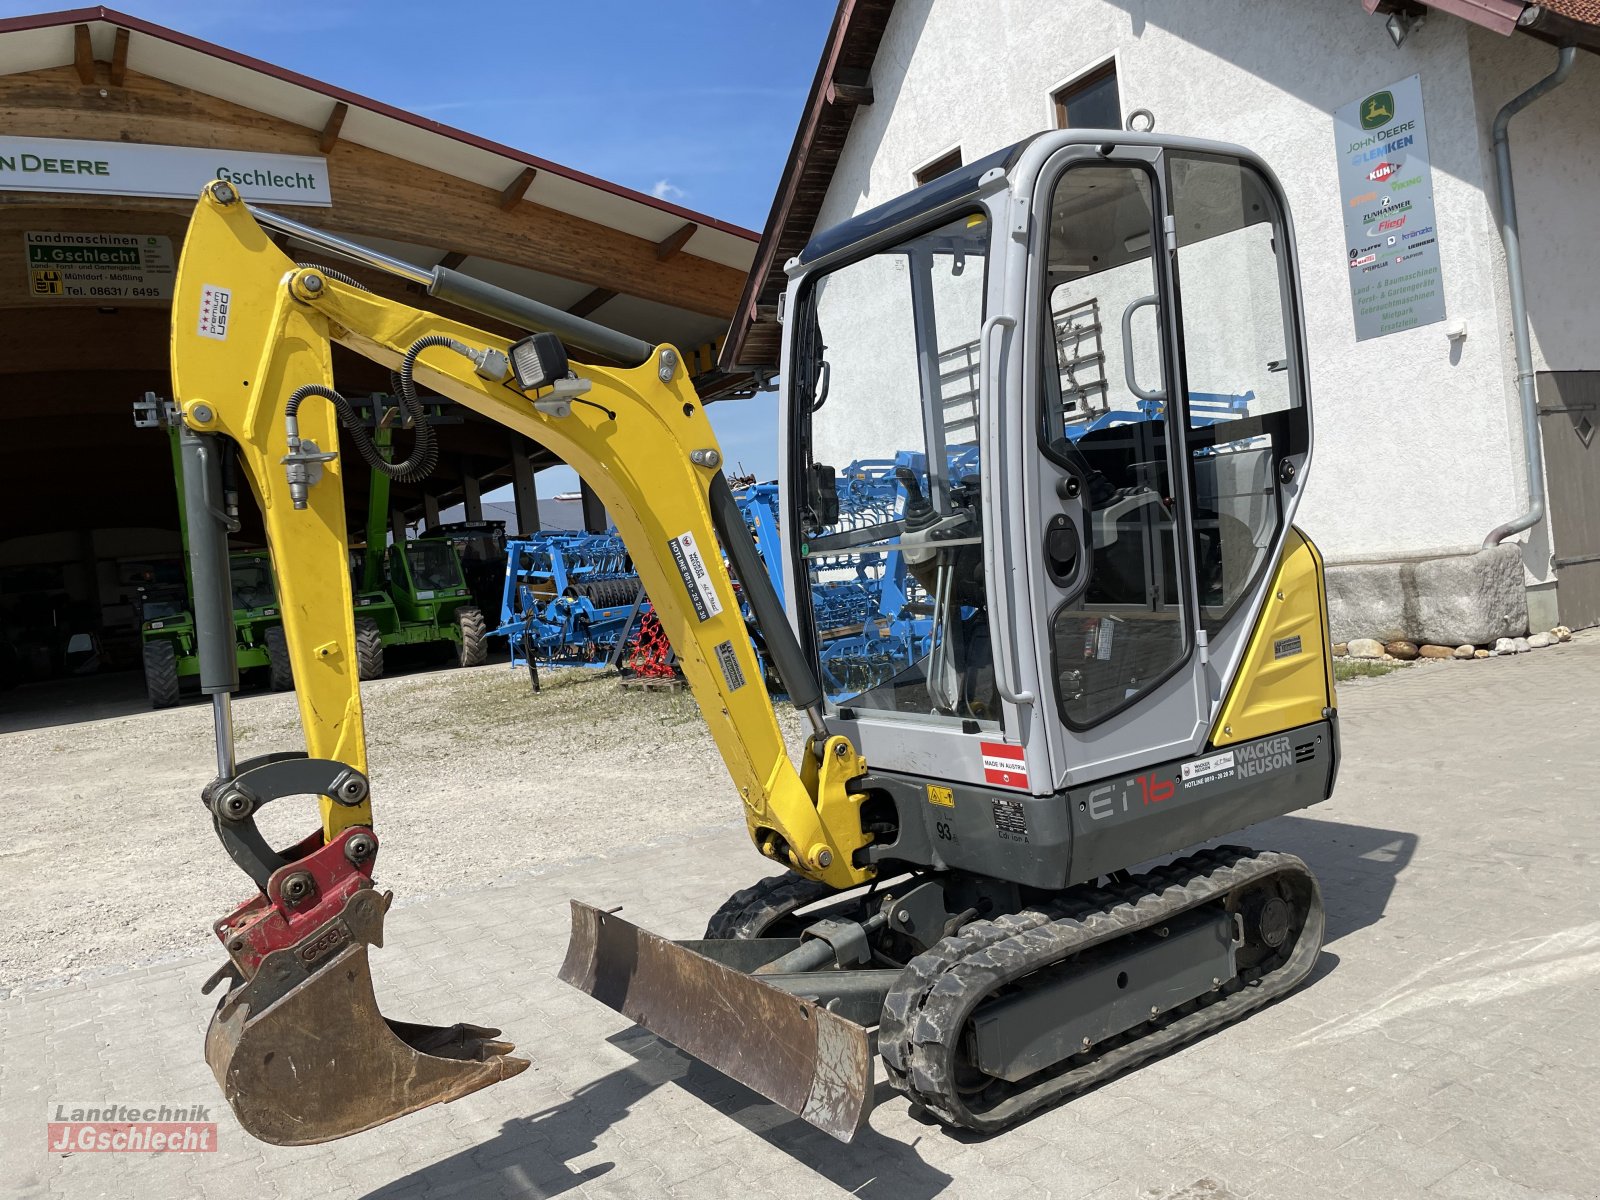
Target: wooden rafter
[[849, 86], [517, 188], [330, 131], [83, 53], [592, 301], [674, 241], [119, 58]]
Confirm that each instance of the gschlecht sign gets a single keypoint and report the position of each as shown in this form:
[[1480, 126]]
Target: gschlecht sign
[[29, 164]]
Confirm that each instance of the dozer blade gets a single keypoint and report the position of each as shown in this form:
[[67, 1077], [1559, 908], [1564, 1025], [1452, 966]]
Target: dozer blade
[[305, 1056], [795, 1053]]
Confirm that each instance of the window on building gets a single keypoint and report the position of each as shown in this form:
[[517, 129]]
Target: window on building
[[942, 165], [1090, 102]]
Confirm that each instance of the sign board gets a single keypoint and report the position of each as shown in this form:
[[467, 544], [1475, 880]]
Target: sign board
[[1386, 189], [178, 172], [98, 266]]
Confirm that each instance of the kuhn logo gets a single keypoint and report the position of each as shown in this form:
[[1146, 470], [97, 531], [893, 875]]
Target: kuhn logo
[[1382, 171]]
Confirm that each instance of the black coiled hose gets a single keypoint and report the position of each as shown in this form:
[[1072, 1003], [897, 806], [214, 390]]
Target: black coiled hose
[[424, 449]]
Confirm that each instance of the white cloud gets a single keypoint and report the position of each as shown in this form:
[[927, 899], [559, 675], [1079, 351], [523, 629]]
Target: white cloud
[[665, 189]]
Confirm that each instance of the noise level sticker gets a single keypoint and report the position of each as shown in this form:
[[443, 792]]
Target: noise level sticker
[[696, 579]]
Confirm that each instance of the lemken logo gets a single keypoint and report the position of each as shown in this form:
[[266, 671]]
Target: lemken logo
[[1377, 109]]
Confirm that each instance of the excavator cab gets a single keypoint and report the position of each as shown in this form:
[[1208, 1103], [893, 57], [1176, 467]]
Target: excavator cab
[[1046, 616]]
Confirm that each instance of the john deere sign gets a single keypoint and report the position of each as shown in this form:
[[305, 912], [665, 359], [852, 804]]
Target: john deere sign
[[1386, 193], [179, 172]]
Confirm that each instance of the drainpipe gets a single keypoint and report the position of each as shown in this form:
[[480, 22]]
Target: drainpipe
[[1532, 447]]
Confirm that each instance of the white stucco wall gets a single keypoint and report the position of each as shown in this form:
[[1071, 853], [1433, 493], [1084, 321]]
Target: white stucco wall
[[1417, 438]]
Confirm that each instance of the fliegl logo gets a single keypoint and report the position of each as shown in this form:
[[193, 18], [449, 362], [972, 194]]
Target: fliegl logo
[[1377, 110]]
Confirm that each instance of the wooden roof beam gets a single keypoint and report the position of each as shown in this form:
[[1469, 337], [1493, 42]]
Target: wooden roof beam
[[592, 301], [330, 131], [675, 241], [850, 87], [83, 53], [514, 191], [119, 58]]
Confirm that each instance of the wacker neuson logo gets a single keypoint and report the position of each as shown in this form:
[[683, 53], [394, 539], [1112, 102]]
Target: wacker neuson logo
[[130, 1129]]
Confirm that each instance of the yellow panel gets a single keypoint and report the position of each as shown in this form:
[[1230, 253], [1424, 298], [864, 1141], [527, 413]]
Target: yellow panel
[[1280, 687]]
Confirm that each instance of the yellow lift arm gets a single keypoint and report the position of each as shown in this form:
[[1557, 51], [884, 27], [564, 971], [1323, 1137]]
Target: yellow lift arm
[[250, 328], [297, 1043]]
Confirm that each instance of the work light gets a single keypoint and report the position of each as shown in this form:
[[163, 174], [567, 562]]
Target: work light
[[538, 360]]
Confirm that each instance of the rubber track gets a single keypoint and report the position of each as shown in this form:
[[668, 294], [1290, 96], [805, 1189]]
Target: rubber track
[[749, 913], [925, 1015]]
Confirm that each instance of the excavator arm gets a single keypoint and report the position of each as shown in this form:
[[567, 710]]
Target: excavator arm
[[252, 373]]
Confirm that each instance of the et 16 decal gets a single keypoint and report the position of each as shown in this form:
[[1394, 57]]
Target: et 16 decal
[[1110, 799]]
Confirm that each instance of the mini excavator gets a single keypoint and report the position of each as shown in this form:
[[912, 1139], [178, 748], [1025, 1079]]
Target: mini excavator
[[1050, 411]]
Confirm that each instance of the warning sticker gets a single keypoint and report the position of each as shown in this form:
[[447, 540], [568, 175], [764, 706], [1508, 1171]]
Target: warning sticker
[[942, 796], [729, 662], [1003, 765], [214, 302], [696, 579], [99, 266]]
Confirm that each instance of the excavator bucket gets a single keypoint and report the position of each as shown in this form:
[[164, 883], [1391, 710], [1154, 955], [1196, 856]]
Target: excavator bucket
[[797, 1054], [304, 1056]]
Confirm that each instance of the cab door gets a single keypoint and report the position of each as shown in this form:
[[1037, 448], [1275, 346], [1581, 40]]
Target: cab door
[[1163, 379]]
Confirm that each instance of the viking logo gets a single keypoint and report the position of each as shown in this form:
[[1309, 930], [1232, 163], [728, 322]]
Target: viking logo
[[1377, 109]]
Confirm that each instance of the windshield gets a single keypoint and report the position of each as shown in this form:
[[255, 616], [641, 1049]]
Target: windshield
[[252, 583], [889, 507], [434, 566]]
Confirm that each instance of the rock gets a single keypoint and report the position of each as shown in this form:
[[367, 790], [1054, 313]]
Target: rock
[[1340, 649], [1540, 640], [1521, 645], [1505, 645], [1483, 654], [1436, 652], [1365, 648], [1450, 601], [1403, 650], [1466, 652], [1563, 634]]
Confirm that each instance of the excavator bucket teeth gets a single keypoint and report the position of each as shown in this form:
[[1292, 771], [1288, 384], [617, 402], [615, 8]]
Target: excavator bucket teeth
[[795, 1053], [317, 1060]]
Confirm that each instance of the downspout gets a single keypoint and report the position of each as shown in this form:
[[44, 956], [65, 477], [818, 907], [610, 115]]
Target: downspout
[[1532, 447]]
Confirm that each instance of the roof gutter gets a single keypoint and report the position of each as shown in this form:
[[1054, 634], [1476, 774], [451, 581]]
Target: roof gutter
[[1533, 449]]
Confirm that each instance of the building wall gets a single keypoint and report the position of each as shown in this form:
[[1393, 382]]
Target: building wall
[[1418, 437]]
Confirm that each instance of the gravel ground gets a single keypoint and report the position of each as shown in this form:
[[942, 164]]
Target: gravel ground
[[109, 860]]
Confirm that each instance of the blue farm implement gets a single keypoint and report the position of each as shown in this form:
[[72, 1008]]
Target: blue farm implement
[[569, 599]]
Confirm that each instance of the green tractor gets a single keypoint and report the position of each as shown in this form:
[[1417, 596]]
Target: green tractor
[[415, 593], [167, 631]]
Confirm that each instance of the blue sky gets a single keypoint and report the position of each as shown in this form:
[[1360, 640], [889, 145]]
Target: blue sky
[[694, 100]]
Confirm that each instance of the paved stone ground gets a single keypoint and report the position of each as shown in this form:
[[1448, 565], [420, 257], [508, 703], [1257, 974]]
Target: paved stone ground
[[1444, 1048]]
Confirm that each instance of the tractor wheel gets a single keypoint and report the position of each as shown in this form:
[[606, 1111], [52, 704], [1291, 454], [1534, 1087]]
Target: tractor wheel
[[474, 648], [279, 673], [369, 649], [161, 673]]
